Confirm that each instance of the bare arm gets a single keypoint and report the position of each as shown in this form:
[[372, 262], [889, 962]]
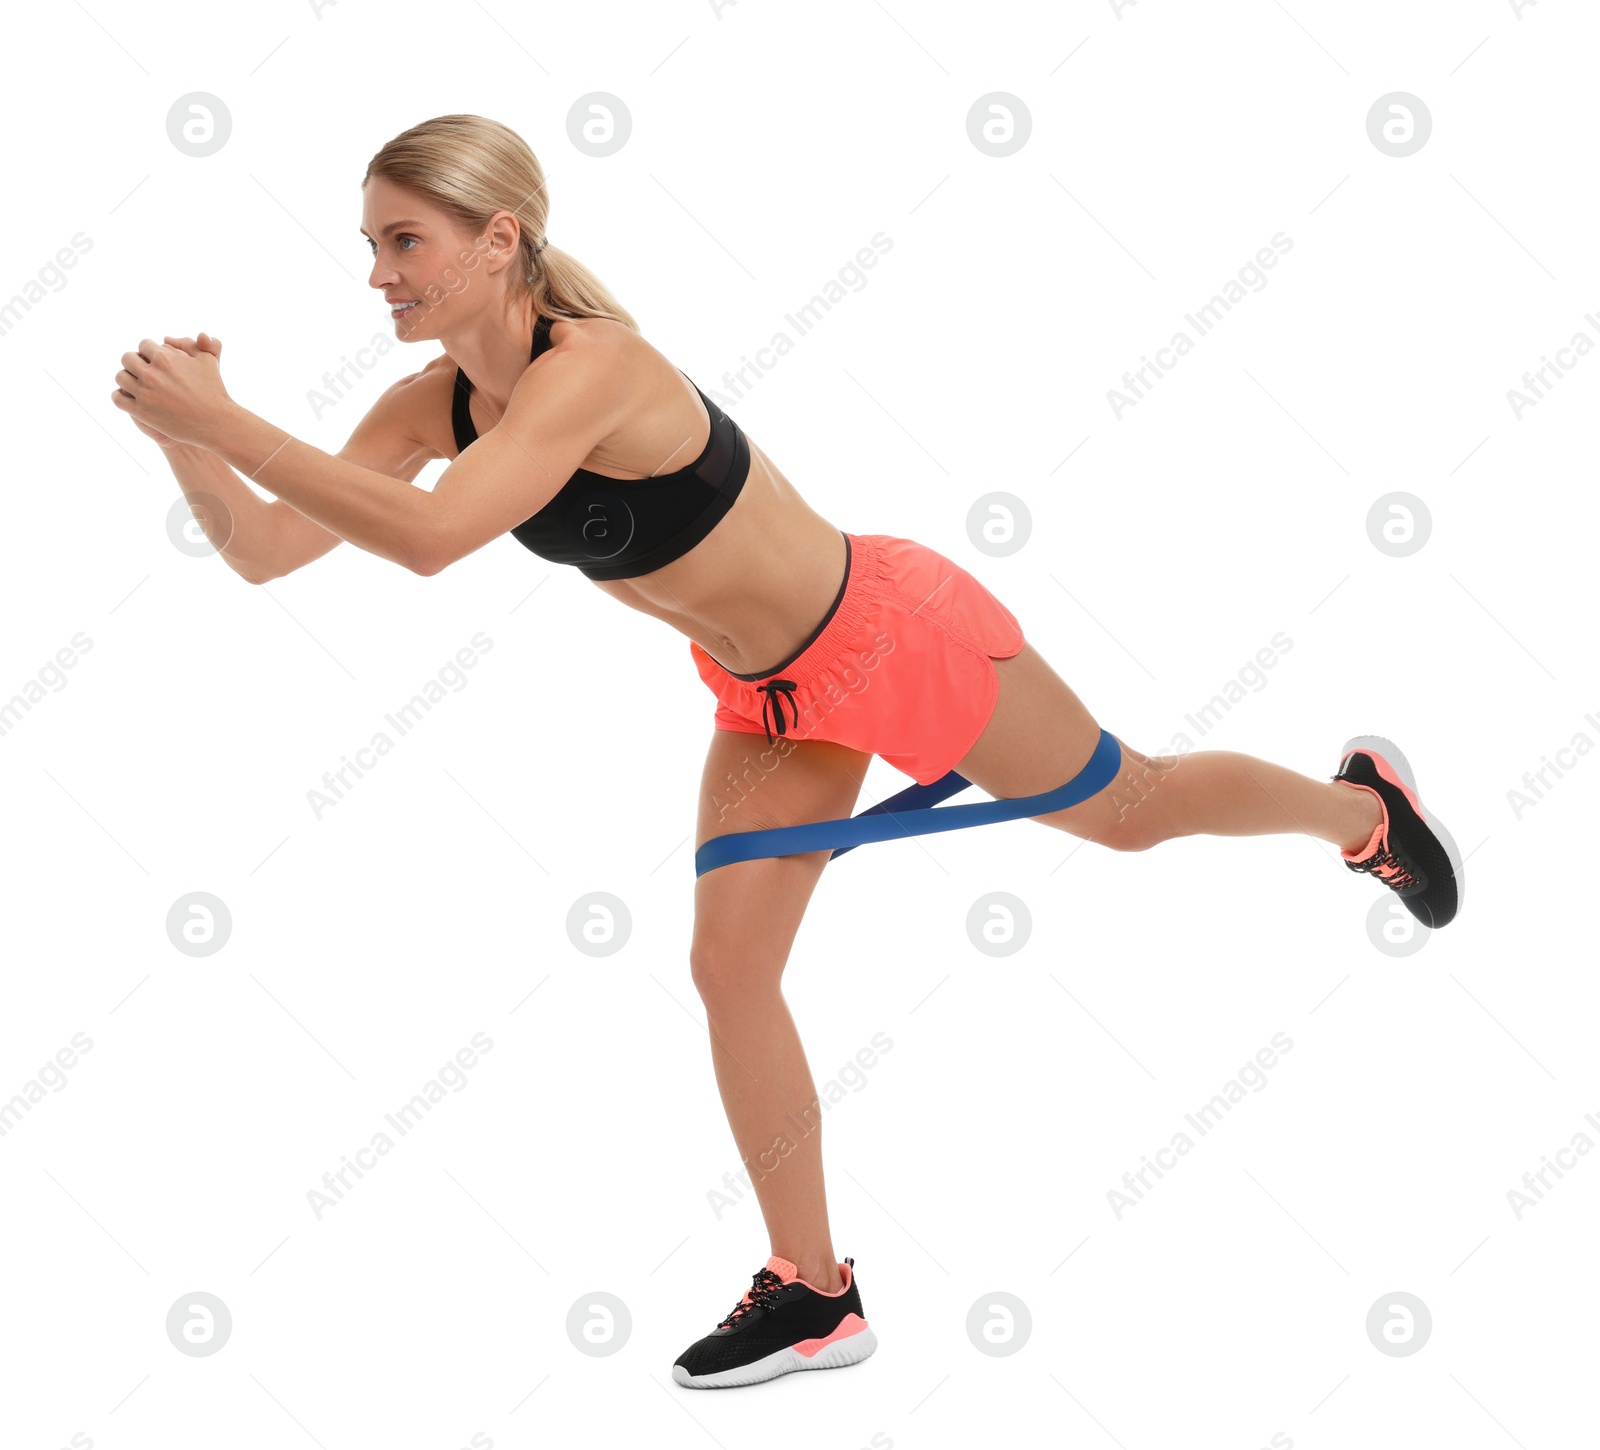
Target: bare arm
[[263, 539], [381, 441], [236, 520], [509, 473]]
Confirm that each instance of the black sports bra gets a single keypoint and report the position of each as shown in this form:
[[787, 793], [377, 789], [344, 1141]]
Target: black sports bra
[[618, 528]]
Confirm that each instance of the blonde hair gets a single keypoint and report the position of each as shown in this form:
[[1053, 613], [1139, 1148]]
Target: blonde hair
[[469, 168]]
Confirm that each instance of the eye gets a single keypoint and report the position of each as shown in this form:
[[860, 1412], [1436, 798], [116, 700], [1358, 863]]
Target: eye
[[403, 237]]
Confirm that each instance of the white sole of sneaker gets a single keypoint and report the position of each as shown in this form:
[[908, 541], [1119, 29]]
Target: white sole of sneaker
[[850, 1350], [1392, 753]]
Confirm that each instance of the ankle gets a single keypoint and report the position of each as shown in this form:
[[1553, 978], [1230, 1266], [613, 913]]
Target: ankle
[[1368, 809], [821, 1274]]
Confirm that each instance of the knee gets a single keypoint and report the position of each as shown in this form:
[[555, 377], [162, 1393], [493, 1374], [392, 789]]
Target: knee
[[1143, 803], [1119, 827], [708, 970], [1123, 840], [722, 975], [1134, 830]]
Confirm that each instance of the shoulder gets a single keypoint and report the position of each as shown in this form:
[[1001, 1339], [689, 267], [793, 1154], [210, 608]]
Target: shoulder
[[437, 375], [591, 362], [437, 372], [394, 434], [595, 341], [595, 329], [419, 403]]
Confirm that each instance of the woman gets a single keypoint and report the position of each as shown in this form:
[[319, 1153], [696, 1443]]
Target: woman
[[566, 428]]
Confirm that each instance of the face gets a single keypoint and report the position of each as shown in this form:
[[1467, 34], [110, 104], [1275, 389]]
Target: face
[[421, 257]]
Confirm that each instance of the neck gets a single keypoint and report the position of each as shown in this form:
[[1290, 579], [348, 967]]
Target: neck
[[494, 354]]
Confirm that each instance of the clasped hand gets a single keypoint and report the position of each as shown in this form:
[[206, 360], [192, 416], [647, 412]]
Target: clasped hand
[[173, 390]]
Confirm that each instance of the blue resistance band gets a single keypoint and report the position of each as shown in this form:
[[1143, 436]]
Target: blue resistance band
[[910, 813]]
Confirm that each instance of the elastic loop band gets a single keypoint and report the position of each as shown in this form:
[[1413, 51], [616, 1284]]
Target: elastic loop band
[[911, 813]]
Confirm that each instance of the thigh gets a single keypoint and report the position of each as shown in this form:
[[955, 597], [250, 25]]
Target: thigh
[[746, 913], [1040, 736]]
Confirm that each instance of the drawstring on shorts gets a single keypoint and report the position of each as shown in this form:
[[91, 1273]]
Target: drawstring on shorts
[[773, 702]]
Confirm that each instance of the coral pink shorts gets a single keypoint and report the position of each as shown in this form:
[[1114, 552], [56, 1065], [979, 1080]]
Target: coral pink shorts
[[899, 666]]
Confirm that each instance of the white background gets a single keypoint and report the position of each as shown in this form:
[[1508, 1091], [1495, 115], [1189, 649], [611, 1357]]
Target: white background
[[429, 1307]]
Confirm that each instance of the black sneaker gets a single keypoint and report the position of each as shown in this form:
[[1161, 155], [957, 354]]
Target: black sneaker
[[1413, 855], [781, 1323]]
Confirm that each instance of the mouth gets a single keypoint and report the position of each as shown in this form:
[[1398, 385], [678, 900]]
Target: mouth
[[400, 309]]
